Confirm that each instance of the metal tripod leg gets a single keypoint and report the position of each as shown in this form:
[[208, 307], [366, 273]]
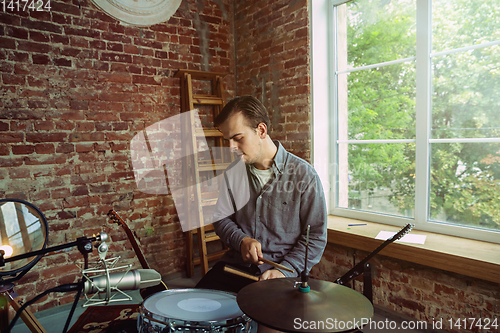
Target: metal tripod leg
[[367, 282], [8, 296]]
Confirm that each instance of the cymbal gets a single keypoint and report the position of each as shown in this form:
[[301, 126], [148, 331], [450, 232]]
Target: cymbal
[[327, 307]]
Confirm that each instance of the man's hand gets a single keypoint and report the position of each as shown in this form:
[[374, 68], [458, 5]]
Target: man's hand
[[271, 274], [251, 250]]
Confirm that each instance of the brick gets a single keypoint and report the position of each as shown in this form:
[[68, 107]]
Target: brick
[[82, 32], [10, 19], [16, 32], [148, 43], [85, 126], [6, 67], [70, 51], [65, 8], [63, 62], [84, 148], [46, 137], [41, 59], [118, 28], [65, 148], [80, 190], [13, 79], [80, 137], [117, 97], [10, 162], [116, 38], [296, 63], [39, 25], [19, 173], [441, 289], [106, 56], [33, 47], [97, 44], [61, 18], [23, 150], [40, 15], [115, 77], [106, 188], [50, 273], [114, 47], [105, 106], [79, 105], [19, 56], [41, 37], [19, 126], [101, 66], [104, 26], [185, 40], [168, 29], [82, 22], [44, 148], [36, 104]]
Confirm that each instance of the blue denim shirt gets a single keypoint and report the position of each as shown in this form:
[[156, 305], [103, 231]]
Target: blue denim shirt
[[276, 215]]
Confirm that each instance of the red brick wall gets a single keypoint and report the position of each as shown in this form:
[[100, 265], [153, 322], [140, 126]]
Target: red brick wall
[[76, 87], [272, 60], [417, 291]]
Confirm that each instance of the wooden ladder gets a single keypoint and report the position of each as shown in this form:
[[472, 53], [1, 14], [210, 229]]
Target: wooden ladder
[[197, 201]]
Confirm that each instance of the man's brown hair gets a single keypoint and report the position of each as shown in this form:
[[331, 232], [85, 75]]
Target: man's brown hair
[[253, 110]]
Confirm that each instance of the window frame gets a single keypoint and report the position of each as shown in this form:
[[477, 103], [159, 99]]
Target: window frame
[[324, 104]]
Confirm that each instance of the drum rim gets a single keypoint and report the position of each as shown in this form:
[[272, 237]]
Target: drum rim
[[201, 324]]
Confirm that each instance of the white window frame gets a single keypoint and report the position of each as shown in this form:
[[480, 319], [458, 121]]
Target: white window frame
[[324, 124]]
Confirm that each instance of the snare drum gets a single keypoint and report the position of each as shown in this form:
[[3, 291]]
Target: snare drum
[[191, 310]]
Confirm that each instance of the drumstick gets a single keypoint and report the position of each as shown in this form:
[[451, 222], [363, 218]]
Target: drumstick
[[272, 263], [240, 273]]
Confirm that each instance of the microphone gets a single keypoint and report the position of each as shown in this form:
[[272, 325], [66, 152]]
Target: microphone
[[131, 280], [105, 278]]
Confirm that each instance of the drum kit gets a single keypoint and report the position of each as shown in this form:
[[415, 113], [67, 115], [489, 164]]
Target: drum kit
[[276, 303], [285, 304]]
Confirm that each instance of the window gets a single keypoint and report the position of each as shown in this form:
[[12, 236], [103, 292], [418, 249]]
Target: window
[[415, 113]]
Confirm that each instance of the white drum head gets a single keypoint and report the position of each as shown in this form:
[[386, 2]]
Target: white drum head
[[194, 305]]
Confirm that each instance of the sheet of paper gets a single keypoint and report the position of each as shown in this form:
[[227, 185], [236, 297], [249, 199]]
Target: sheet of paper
[[408, 238]]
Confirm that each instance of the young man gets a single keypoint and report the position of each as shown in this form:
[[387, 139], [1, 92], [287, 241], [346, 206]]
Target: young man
[[265, 204]]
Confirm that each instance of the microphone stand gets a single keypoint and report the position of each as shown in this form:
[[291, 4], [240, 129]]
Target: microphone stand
[[84, 245]]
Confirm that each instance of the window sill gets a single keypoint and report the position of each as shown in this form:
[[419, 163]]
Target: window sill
[[468, 257]]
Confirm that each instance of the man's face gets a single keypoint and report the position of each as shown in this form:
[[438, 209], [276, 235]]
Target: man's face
[[245, 141]]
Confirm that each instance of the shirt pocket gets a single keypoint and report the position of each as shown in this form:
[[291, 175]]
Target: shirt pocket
[[282, 216]]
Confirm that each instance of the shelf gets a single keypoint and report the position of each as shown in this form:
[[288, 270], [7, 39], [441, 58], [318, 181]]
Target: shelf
[[464, 256], [207, 100], [201, 132]]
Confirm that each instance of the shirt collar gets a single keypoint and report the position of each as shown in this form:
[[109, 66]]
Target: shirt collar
[[279, 158]]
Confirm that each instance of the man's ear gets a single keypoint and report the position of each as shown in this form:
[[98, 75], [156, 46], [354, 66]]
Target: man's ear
[[262, 130]]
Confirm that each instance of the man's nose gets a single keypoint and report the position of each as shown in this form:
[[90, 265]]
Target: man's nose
[[233, 145]]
